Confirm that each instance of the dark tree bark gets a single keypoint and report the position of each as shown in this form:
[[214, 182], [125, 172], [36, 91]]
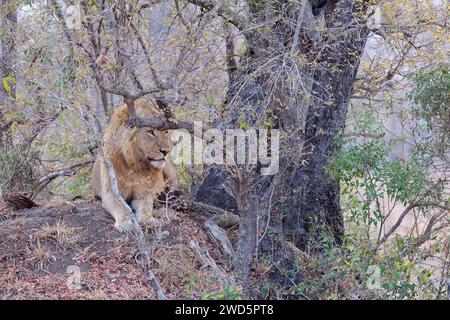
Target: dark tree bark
[[215, 190], [254, 94], [301, 195], [315, 203]]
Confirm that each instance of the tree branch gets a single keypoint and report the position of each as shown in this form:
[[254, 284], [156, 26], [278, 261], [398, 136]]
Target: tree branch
[[161, 124], [206, 259], [69, 171], [403, 215], [229, 15]]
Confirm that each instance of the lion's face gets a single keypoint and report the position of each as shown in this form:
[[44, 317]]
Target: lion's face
[[153, 146]]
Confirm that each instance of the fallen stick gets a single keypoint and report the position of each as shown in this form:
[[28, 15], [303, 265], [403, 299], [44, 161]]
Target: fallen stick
[[215, 225], [219, 235], [206, 259]]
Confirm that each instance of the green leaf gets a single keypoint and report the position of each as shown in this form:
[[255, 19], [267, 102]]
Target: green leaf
[[6, 83]]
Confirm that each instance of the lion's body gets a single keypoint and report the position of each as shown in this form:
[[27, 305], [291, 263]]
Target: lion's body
[[140, 161]]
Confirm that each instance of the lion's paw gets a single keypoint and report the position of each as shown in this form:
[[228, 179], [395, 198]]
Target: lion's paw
[[147, 219], [124, 225]]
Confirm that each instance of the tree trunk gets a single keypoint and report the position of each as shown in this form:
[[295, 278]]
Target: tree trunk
[[315, 203], [255, 97], [315, 112]]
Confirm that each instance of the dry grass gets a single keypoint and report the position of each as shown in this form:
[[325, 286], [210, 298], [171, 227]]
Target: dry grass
[[60, 233], [39, 244], [40, 257], [3, 205]]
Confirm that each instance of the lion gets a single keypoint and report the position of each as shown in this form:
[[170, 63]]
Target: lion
[[141, 161]]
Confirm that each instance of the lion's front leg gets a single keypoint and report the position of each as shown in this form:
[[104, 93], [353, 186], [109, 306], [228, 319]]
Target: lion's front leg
[[101, 184], [123, 221], [143, 206]]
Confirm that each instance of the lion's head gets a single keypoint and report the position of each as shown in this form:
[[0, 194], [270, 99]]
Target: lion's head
[[136, 148], [152, 147]]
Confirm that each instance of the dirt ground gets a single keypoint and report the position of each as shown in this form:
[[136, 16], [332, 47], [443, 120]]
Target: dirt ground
[[40, 248]]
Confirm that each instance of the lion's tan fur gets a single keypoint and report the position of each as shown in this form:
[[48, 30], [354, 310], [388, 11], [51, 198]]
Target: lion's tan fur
[[136, 180]]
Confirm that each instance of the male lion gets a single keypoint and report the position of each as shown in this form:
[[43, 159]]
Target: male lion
[[140, 158]]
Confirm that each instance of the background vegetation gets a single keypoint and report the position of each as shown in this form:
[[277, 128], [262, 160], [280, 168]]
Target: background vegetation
[[359, 90]]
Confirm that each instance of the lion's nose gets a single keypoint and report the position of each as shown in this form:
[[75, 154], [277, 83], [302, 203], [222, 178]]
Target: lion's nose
[[164, 152]]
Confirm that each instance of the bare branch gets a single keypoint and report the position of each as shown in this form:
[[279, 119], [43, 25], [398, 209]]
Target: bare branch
[[426, 234], [161, 124], [219, 235], [69, 171], [206, 259], [229, 15], [403, 215]]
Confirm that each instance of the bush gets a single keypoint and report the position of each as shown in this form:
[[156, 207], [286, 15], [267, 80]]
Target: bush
[[365, 266], [356, 271], [17, 169]]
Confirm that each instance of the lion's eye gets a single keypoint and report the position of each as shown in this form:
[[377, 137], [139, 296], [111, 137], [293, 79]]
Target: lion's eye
[[151, 132]]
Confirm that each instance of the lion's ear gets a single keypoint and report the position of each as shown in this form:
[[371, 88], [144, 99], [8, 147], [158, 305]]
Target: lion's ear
[[133, 130], [129, 133]]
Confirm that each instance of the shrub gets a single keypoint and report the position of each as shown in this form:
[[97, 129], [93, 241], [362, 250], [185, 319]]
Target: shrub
[[17, 169]]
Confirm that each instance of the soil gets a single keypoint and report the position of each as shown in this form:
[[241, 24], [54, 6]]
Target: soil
[[42, 249]]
